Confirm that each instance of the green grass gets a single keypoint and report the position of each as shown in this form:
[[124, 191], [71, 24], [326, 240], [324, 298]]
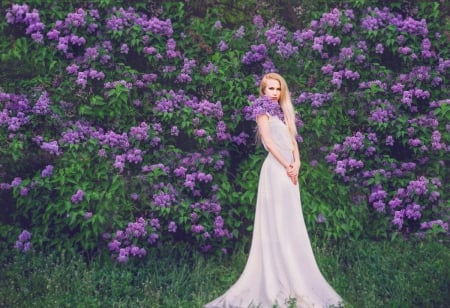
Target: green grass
[[364, 273]]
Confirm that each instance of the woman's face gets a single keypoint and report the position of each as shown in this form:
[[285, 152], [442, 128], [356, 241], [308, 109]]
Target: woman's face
[[273, 90]]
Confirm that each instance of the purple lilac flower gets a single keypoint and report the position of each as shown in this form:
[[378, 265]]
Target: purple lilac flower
[[260, 106], [276, 34], [139, 132], [23, 243], [114, 245], [413, 211], [379, 206], [77, 197], [222, 46], [172, 227], [22, 14], [431, 224], [42, 106], [48, 170], [327, 69], [331, 40], [346, 53], [239, 32], [209, 68], [389, 140], [379, 48], [72, 69], [418, 187], [395, 203], [398, 218], [318, 44], [197, 228], [257, 54], [434, 196], [341, 166], [377, 194], [51, 147], [415, 142], [16, 182], [258, 21], [285, 50], [25, 236], [123, 255], [153, 238], [332, 19], [76, 19], [301, 36], [320, 218], [27, 246], [337, 79], [124, 49]]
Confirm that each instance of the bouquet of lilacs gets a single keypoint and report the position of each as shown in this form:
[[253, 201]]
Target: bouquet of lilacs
[[262, 105]]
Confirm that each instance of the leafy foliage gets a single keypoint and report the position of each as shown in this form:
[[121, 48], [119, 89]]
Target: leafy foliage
[[125, 127]]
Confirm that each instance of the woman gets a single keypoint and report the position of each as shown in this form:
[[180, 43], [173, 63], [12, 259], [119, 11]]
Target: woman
[[281, 269]]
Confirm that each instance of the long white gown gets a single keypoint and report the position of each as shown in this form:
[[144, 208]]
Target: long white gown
[[281, 266]]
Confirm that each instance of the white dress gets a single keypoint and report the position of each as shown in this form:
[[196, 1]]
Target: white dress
[[281, 266]]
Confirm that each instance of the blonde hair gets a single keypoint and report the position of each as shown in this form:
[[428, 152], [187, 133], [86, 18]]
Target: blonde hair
[[285, 100]]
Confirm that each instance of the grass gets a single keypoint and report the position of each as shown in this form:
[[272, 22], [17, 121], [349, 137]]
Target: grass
[[364, 273]]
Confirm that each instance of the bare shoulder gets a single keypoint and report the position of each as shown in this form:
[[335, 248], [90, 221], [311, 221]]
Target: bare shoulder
[[262, 118]]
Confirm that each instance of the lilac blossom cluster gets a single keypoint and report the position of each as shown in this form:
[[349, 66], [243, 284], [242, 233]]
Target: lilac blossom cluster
[[15, 113], [20, 14], [384, 112], [317, 99], [257, 54], [380, 18], [122, 244], [23, 242], [261, 106], [65, 36]]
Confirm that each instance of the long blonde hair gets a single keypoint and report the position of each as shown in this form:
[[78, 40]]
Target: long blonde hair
[[285, 100]]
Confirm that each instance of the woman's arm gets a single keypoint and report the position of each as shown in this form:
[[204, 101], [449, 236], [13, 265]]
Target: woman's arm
[[295, 166], [263, 127]]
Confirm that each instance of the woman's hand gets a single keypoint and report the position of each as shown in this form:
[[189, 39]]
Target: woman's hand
[[292, 172]]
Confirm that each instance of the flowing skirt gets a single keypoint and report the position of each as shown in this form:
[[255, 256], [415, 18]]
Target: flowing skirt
[[281, 269]]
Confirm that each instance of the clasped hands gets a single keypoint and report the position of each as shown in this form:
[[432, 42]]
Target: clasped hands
[[292, 172]]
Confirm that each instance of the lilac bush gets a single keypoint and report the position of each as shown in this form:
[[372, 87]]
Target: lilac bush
[[137, 132]]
